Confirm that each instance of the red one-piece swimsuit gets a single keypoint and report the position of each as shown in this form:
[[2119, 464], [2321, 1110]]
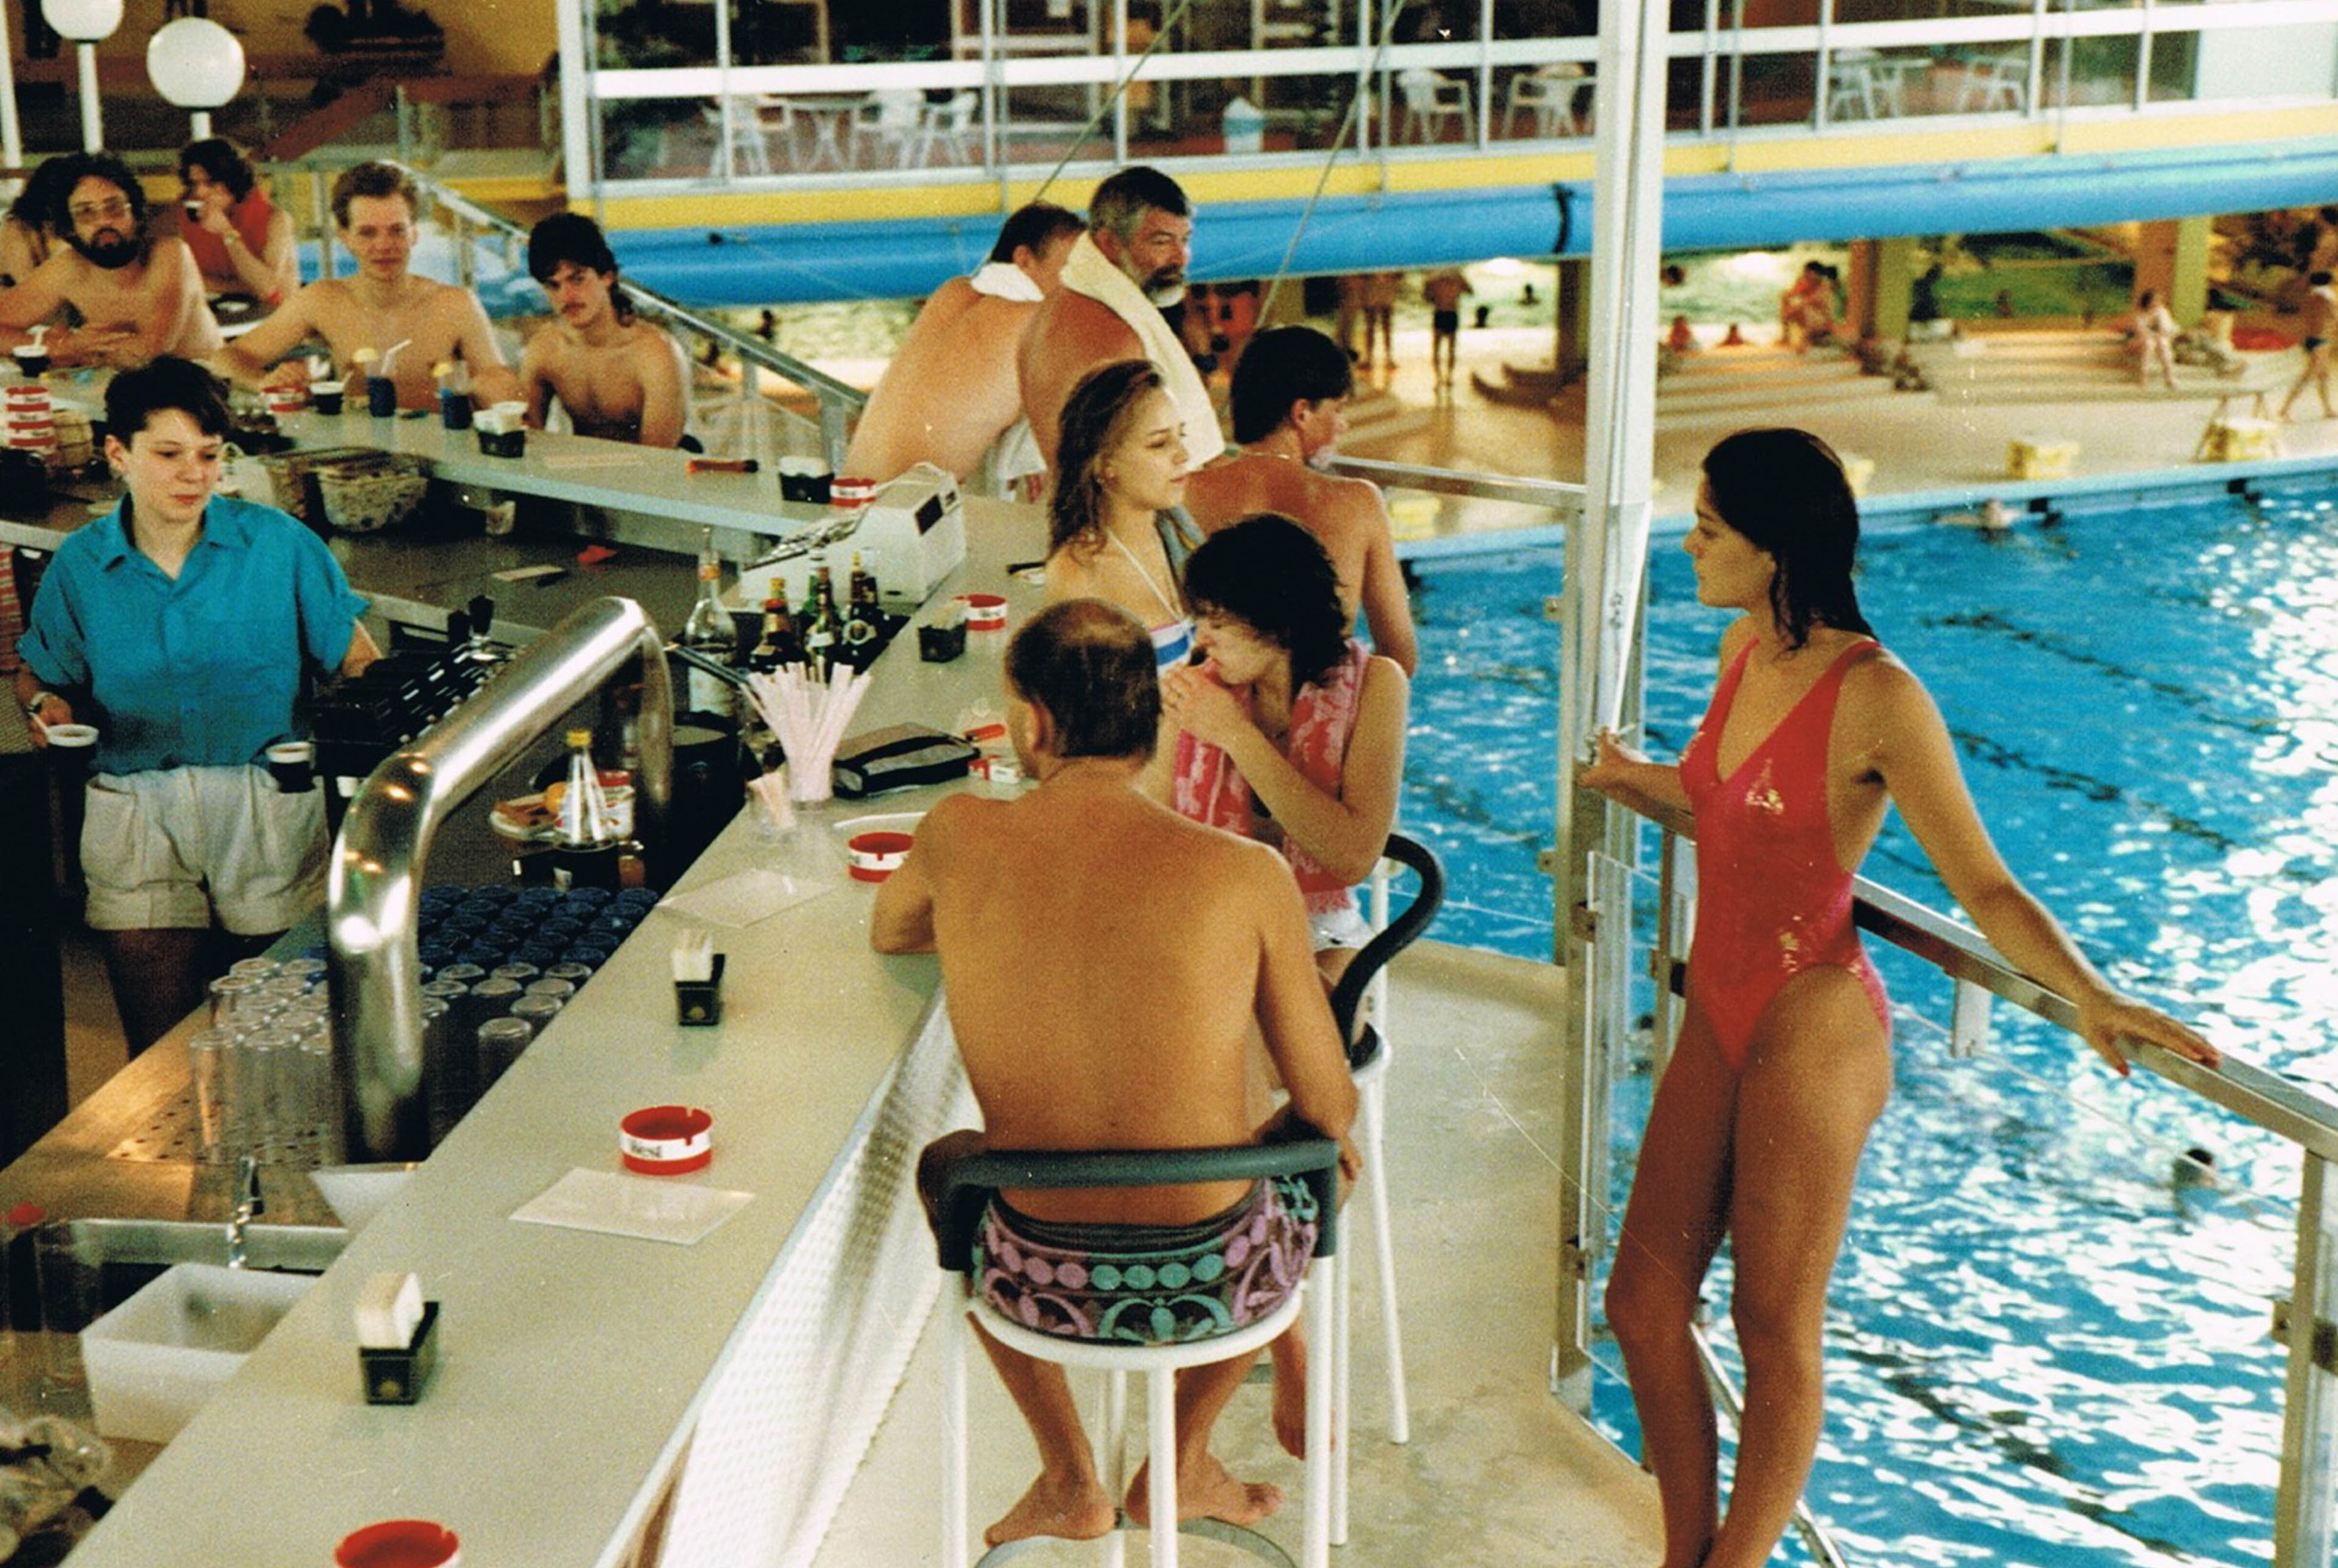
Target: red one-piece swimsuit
[[1772, 900]]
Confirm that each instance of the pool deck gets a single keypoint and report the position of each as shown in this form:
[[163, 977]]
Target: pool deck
[[1936, 452]]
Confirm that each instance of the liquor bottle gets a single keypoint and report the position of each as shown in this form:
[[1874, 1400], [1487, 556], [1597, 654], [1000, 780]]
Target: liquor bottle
[[862, 621], [822, 631], [765, 655], [585, 841], [710, 632]]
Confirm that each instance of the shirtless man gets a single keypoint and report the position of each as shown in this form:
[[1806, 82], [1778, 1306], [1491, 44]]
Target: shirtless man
[[1140, 237], [141, 294], [243, 244], [375, 206], [1291, 387], [619, 379], [951, 394], [1103, 996], [2321, 323], [1444, 290]]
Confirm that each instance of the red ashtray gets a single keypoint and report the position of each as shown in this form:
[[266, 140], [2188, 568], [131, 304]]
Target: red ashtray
[[666, 1139], [985, 611], [874, 855], [399, 1543]]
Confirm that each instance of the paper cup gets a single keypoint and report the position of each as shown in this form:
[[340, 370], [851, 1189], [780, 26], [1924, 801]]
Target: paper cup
[[875, 856], [70, 737], [399, 1543], [985, 611], [666, 1139]]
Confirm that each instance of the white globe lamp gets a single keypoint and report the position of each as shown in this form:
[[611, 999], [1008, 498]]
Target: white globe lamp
[[85, 21], [195, 65]]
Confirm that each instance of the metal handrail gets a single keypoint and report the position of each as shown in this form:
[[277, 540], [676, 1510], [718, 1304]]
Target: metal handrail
[[1558, 494], [2300, 1114], [376, 874], [840, 402]]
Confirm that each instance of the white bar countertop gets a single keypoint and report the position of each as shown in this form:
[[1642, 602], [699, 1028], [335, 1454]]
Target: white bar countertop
[[574, 1366]]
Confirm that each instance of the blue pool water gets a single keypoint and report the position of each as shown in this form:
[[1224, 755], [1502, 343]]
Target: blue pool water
[[2041, 1349]]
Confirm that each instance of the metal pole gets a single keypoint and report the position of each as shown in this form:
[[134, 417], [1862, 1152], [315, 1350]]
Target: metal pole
[[93, 124], [578, 113], [2302, 1533], [12, 139]]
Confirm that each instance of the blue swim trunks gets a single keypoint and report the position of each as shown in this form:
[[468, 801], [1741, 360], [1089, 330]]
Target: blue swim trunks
[[1149, 1285]]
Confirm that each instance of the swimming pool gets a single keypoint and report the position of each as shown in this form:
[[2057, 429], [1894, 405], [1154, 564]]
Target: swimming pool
[[2041, 1349]]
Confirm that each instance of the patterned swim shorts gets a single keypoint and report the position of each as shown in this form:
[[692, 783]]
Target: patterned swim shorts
[[1149, 1285]]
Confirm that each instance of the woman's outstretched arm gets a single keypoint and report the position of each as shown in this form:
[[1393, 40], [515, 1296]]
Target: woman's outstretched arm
[[1917, 761], [1630, 777]]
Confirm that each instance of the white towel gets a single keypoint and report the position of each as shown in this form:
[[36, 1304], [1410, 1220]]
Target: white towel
[[1089, 272], [1015, 454]]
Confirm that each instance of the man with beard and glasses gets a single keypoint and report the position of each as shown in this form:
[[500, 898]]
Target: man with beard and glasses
[[1121, 274], [140, 296], [616, 377], [383, 307]]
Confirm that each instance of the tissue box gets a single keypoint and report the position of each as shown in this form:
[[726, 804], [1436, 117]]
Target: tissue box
[[155, 1358]]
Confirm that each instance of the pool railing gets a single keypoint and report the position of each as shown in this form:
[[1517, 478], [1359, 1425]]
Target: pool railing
[[1599, 917]]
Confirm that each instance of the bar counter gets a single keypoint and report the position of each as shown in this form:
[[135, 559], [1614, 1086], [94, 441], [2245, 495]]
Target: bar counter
[[585, 1379]]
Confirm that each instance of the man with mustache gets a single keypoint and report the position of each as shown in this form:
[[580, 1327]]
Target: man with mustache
[[1120, 275], [618, 377], [383, 307], [140, 296]]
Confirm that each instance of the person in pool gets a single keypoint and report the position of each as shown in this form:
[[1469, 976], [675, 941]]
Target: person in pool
[[1783, 1060]]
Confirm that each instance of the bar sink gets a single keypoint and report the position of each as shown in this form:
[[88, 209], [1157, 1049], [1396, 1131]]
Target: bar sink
[[154, 1359], [293, 1248]]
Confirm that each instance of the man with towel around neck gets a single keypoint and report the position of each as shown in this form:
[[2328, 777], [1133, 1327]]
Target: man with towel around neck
[[950, 398], [1128, 266]]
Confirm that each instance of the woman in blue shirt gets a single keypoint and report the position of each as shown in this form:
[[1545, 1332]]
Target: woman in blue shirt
[[183, 625]]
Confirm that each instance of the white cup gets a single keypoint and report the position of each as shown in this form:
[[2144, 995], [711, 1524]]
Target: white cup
[[70, 737]]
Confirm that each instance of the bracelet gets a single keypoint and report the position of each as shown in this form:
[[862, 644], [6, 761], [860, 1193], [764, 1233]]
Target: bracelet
[[41, 698]]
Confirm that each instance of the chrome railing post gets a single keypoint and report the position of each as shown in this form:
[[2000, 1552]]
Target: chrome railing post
[[2302, 1533], [374, 876]]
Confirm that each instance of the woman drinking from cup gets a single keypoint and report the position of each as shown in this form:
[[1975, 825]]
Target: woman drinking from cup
[[1291, 732], [1783, 1060], [184, 625]]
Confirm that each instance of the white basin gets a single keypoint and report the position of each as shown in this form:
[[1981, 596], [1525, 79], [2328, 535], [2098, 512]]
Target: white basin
[[155, 1358]]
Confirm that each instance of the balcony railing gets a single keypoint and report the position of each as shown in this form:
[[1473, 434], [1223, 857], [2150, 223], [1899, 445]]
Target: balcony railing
[[1016, 89]]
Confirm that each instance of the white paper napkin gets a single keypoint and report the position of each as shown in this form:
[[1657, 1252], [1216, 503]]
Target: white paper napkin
[[654, 1208]]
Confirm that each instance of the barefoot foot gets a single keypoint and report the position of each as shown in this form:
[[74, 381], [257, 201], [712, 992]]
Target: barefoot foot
[[1205, 1491], [1074, 1511]]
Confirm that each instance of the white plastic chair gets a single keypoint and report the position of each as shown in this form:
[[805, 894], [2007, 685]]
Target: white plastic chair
[[1994, 82], [894, 116], [946, 126], [1431, 100], [969, 1187], [1548, 94], [754, 123]]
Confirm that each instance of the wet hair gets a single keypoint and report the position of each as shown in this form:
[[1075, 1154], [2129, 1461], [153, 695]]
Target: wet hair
[[574, 238], [1283, 366], [1120, 203], [375, 179], [76, 167], [2317, 279], [1275, 578], [45, 192], [1095, 417], [1785, 491], [1090, 665], [1035, 224], [134, 397], [222, 162]]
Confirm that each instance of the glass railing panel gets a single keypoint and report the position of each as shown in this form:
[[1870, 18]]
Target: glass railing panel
[[2089, 73], [777, 31], [645, 35], [658, 139], [2261, 64], [1542, 102], [1240, 115]]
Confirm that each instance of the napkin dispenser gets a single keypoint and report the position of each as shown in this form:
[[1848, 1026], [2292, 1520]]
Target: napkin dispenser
[[897, 758]]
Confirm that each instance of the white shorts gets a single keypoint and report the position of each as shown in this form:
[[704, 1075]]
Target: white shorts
[[1340, 928], [166, 849]]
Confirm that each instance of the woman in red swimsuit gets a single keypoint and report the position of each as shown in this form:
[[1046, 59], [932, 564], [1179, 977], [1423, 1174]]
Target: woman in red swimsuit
[[1783, 1060]]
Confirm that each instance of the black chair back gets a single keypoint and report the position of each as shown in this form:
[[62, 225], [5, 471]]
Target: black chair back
[[1400, 934]]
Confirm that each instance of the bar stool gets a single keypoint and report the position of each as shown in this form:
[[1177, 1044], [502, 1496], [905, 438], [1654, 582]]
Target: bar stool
[[967, 1189], [1363, 988]]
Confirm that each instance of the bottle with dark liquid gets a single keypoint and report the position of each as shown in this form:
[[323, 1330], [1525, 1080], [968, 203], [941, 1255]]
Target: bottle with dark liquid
[[862, 623], [822, 630]]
